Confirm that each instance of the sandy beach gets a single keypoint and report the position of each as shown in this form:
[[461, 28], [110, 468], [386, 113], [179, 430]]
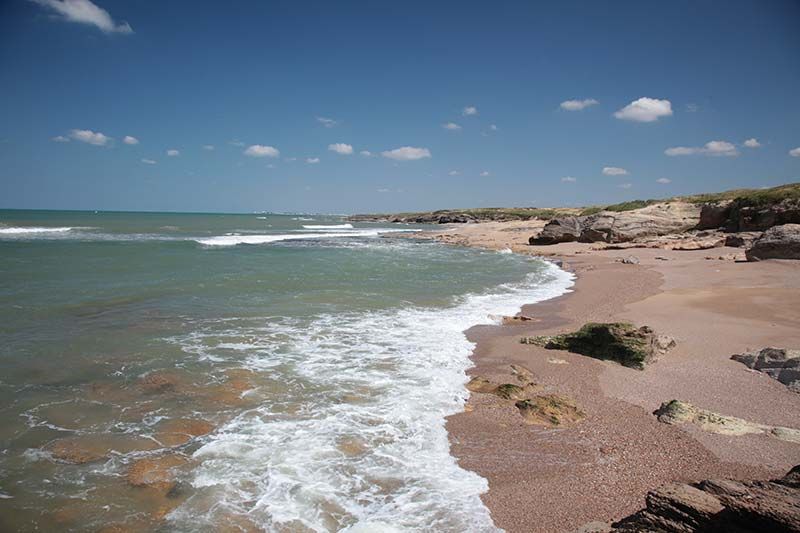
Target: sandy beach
[[556, 480]]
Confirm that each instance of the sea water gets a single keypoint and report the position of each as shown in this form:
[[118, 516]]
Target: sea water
[[321, 357]]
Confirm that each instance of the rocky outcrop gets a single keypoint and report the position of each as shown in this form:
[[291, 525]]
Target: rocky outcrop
[[156, 472], [617, 341], [744, 214], [716, 506], [506, 391], [676, 412], [714, 215], [778, 363], [551, 410], [624, 226], [778, 242], [564, 229], [744, 239]]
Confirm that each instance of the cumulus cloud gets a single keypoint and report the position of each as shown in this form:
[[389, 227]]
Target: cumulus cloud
[[173, 152], [469, 111], [407, 153], [327, 122], [208, 147], [663, 181], [85, 12], [366, 153], [569, 179], [752, 143], [645, 110], [452, 126], [484, 173], [148, 161], [711, 148], [795, 152], [90, 137], [341, 148], [60, 139], [578, 105], [614, 171], [130, 140], [312, 160], [259, 150]]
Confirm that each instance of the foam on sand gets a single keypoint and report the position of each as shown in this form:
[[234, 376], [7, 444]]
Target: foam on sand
[[331, 226]]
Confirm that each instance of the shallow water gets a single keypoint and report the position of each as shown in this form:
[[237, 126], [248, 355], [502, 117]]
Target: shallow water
[[294, 371]]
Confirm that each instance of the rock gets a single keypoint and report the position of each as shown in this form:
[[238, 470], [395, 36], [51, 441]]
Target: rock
[[159, 382], [91, 448], [178, 431], [618, 341], [550, 410], [650, 221], [676, 412], [746, 216], [506, 391], [481, 384], [520, 319], [630, 260], [778, 363], [778, 242], [563, 229], [714, 215], [156, 472], [717, 506], [743, 239], [522, 373], [662, 258]]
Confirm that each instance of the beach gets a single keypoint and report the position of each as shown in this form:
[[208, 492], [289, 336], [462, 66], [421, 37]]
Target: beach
[[555, 480]]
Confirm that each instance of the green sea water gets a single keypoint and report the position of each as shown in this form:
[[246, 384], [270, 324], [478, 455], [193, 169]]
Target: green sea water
[[319, 357]]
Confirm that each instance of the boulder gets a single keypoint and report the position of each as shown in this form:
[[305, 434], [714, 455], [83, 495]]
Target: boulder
[[778, 242], [743, 239], [618, 341], [550, 410], [506, 391], [714, 215], [564, 229], [746, 216], [650, 221], [778, 363]]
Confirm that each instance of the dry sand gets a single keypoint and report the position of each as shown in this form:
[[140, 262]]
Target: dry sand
[[554, 480]]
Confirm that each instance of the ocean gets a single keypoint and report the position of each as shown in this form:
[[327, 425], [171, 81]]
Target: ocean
[[240, 372]]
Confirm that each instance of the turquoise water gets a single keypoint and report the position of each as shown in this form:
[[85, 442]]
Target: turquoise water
[[319, 357]]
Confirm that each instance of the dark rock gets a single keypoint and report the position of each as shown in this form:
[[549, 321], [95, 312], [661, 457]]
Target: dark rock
[[743, 239], [778, 242], [714, 215], [778, 363], [618, 341], [747, 217], [565, 229]]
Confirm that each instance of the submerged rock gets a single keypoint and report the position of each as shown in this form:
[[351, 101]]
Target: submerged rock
[[716, 506], [778, 242], [90, 448], [778, 363], [177, 431], [550, 410], [676, 412], [156, 472], [617, 341]]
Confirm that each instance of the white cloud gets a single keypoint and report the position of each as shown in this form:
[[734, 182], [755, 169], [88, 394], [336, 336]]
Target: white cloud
[[148, 161], [85, 12], [625, 185], [382, 191], [469, 110], [752, 143], [366, 153], [130, 140], [711, 148], [235, 142], [90, 137], [614, 171], [578, 105], [645, 110], [692, 108], [208, 147], [406, 153], [341, 148], [569, 179], [484, 173], [493, 127], [795, 152], [60, 139], [453, 173], [312, 160], [327, 122], [173, 152], [451, 126], [259, 150], [663, 181]]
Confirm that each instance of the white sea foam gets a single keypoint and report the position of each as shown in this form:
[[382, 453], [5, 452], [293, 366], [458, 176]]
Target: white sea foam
[[386, 379], [33, 229], [233, 240], [329, 226]]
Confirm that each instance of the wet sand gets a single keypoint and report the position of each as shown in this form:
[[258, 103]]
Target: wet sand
[[555, 480]]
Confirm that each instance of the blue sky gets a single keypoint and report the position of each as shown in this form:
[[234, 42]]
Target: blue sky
[[560, 92]]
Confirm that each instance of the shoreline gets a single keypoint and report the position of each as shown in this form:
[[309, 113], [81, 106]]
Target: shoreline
[[557, 480]]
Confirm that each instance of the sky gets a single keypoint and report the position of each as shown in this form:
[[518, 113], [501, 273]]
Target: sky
[[343, 107]]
